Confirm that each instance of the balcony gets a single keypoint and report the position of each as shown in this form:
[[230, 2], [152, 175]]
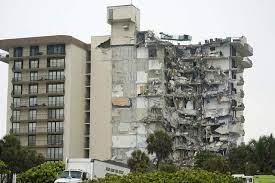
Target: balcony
[[38, 79], [37, 118], [46, 143], [37, 130], [49, 93], [246, 63], [38, 56], [25, 105], [239, 119], [240, 82], [239, 107], [241, 46]]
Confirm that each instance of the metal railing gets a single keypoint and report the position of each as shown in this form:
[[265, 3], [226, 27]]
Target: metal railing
[[37, 130], [38, 78], [37, 105]]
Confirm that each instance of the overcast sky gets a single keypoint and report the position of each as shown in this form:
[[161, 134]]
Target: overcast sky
[[203, 19]]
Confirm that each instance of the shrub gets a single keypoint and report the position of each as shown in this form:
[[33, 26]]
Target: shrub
[[168, 167], [184, 176], [44, 173]]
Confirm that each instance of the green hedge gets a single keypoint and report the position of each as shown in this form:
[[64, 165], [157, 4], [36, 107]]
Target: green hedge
[[44, 173], [183, 176]]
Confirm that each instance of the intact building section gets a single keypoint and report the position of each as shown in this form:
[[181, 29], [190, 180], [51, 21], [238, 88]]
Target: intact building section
[[46, 94]]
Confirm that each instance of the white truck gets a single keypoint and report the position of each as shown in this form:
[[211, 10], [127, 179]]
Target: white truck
[[78, 170], [245, 178]]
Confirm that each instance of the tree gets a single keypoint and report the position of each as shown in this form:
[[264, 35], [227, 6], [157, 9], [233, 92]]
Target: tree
[[238, 158], [258, 156], [16, 157], [263, 153], [211, 162], [3, 168], [139, 161], [44, 173], [161, 144]]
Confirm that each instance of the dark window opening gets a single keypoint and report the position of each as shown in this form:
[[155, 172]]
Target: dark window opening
[[18, 52], [212, 48], [233, 51], [152, 52], [56, 49], [234, 75], [234, 64], [34, 50], [31, 140]]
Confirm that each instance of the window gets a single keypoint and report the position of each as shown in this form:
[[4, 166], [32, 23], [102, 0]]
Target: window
[[16, 102], [32, 127], [32, 101], [33, 88], [152, 52], [16, 115], [55, 139], [234, 64], [56, 62], [32, 115], [34, 64], [56, 75], [17, 76], [15, 127], [234, 75], [31, 140], [33, 76], [56, 101], [212, 48], [56, 113], [233, 51], [56, 49], [18, 65], [55, 127], [17, 89], [55, 88], [86, 142], [18, 52], [55, 153], [34, 50]]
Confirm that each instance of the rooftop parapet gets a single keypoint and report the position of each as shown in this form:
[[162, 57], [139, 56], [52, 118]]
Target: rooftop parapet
[[124, 13]]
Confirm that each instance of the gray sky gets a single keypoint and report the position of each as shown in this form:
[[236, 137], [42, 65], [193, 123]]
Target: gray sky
[[200, 18]]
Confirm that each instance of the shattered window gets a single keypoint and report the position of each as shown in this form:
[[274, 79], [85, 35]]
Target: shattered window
[[152, 52]]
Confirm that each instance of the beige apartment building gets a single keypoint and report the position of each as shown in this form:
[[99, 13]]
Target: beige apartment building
[[46, 94], [101, 100]]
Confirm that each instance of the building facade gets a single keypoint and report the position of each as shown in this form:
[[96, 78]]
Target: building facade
[[131, 84], [46, 94]]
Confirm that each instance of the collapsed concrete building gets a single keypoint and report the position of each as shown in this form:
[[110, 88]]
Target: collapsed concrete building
[[121, 88], [194, 91]]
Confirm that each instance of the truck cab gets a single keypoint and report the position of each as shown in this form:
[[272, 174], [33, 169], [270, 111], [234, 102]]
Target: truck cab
[[72, 176]]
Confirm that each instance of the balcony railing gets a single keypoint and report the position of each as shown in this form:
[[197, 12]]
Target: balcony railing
[[57, 92], [39, 78], [38, 117], [26, 105], [46, 143], [36, 130]]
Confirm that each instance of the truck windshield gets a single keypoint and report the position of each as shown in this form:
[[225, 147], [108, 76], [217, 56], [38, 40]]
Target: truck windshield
[[65, 174], [76, 174]]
